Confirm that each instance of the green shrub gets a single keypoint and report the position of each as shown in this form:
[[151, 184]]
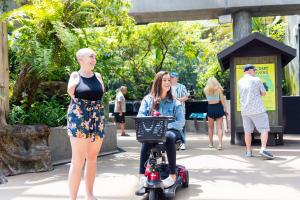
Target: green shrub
[[17, 115], [51, 113]]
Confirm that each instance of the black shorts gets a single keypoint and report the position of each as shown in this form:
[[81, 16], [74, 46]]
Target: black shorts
[[118, 118], [215, 111]]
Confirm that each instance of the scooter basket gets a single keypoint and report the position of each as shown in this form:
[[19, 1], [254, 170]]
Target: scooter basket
[[151, 129]]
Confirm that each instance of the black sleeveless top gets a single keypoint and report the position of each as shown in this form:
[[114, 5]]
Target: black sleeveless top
[[89, 88]]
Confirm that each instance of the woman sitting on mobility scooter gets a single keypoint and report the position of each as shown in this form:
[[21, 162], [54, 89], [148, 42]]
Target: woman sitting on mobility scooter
[[160, 100]]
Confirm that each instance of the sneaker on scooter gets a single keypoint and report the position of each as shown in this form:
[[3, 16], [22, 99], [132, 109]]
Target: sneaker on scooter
[[142, 184], [182, 146], [168, 182]]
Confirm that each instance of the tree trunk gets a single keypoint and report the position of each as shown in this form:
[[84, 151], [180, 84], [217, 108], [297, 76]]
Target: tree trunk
[[4, 76], [4, 90], [26, 84]]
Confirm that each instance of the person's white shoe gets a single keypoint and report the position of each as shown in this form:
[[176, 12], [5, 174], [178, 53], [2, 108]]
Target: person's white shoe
[[168, 182], [182, 146], [143, 181], [142, 184]]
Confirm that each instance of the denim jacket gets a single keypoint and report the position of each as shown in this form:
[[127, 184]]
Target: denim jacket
[[167, 107]]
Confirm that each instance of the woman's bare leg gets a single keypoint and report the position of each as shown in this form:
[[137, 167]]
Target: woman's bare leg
[[79, 148], [211, 130], [91, 167]]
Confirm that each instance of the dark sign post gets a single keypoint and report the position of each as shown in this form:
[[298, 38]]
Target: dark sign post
[[269, 57]]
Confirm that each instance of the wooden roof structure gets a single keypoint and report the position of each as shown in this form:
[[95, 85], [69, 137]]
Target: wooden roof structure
[[256, 44]]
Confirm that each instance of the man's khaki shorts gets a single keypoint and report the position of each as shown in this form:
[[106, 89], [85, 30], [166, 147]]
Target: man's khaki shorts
[[259, 121]]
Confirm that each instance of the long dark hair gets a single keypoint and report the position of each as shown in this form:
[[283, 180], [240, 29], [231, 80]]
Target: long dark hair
[[156, 89]]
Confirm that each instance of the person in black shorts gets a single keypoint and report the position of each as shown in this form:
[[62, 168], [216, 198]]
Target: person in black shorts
[[120, 109], [216, 109]]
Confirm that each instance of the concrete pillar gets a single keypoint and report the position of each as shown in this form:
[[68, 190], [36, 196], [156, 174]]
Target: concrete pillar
[[242, 25]]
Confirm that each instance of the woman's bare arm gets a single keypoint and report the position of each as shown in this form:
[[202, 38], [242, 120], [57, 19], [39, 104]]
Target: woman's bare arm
[[73, 82], [223, 100], [99, 77]]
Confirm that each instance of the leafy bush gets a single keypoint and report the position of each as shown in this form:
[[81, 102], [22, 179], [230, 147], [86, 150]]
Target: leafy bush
[[51, 113], [17, 115]]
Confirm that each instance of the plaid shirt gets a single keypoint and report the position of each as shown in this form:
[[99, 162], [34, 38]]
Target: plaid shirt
[[178, 91]]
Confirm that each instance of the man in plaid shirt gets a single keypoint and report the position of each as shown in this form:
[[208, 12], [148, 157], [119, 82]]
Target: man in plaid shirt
[[179, 92]]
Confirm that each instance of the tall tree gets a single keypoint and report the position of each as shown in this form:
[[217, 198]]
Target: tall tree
[[4, 76]]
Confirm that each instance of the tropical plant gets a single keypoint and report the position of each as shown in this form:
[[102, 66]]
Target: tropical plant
[[46, 34], [51, 113], [273, 27]]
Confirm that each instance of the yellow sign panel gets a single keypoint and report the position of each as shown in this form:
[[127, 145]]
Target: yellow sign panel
[[266, 73]]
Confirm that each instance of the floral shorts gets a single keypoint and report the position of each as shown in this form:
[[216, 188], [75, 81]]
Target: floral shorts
[[85, 119]]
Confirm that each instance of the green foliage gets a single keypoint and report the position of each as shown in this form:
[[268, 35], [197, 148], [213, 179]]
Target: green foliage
[[3, 5], [148, 50], [188, 48], [214, 40], [51, 113], [285, 88], [46, 34], [273, 27], [17, 115]]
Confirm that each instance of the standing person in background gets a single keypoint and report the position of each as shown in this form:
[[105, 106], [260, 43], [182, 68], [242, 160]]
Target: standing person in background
[[216, 109], [85, 122], [120, 109], [180, 93], [251, 90]]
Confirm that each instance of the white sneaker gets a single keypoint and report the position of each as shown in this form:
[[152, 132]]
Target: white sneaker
[[182, 146], [142, 184], [168, 182], [143, 181]]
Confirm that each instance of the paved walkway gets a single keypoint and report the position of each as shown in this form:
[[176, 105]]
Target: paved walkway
[[214, 175]]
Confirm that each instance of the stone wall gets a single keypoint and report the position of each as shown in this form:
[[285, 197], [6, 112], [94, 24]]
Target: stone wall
[[61, 149]]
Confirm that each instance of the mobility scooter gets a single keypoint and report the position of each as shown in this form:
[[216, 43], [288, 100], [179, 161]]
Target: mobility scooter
[[153, 130]]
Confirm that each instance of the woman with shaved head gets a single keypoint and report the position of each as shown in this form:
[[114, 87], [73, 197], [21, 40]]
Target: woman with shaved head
[[85, 122]]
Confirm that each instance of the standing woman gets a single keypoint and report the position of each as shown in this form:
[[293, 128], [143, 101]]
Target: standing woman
[[216, 109], [85, 122]]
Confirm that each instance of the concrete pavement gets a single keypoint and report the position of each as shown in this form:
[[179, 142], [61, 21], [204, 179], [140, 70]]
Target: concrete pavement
[[214, 175]]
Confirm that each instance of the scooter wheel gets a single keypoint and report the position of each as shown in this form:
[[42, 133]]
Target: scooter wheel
[[153, 194], [186, 183]]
